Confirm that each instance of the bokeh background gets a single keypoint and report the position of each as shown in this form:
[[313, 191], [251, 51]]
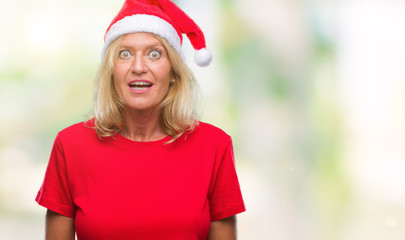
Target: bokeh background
[[312, 92]]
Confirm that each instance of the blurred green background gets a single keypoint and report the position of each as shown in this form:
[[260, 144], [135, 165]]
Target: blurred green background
[[312, 92]]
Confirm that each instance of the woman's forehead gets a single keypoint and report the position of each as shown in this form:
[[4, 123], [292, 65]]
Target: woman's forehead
[[140, 39]]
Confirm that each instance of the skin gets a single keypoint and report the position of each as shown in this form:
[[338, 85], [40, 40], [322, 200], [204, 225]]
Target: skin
[[224, 229], [59, 227], [142, 56]]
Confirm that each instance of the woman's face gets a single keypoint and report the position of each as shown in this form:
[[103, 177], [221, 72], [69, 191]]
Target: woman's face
[[142, 72]]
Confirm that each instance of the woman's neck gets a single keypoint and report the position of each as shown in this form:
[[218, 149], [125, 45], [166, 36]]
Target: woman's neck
[[142, 126]]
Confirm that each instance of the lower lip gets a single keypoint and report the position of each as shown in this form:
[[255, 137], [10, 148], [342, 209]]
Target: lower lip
[[140, 90]]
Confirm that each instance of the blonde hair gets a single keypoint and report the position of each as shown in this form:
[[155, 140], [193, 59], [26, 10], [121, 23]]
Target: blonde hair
[[178, 109]]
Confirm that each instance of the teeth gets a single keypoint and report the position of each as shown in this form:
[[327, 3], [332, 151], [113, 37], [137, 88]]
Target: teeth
[[140, 84]]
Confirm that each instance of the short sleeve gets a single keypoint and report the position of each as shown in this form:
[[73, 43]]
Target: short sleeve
[[225, 195], [54, 193]]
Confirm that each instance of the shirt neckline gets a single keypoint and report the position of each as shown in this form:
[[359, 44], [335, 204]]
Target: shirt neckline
[[127, 141]]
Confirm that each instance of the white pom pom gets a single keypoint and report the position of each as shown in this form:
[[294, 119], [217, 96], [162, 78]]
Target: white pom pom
[[202, 57]]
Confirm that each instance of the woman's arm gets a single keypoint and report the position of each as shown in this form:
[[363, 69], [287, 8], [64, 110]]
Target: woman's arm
[[59, 227], [224, 229]]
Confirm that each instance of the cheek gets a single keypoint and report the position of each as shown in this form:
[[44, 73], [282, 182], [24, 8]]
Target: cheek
[[165, 81], [167, 75], [120, 70], [119, 75]]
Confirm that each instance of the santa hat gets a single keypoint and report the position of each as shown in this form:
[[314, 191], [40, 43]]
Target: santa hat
[[163, 18]]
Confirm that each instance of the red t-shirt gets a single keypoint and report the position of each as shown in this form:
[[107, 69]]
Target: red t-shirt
[[116, 188]]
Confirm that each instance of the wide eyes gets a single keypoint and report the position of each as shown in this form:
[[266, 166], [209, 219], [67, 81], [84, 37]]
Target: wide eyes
[[125, 54], [154, 54]]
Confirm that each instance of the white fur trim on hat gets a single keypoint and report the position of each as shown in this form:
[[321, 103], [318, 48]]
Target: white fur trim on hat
[[202, 57], [143, 23]]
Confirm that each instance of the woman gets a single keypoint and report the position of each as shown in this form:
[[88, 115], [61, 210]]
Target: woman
[[143, 167]]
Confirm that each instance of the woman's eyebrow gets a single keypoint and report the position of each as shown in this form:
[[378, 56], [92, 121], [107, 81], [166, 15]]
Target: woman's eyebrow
[[145, 46]]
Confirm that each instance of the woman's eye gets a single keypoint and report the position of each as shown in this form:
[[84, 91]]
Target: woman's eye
[[154, 54], [125, 54]]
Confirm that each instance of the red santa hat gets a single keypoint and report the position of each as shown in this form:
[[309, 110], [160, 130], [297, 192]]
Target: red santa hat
[[163, 18]]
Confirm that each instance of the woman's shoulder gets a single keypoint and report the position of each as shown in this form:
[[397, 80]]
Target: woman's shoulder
[[214, 133], [204, 126], [79, 130]]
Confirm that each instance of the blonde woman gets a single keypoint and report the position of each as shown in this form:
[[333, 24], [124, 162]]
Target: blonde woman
[[144, 167]]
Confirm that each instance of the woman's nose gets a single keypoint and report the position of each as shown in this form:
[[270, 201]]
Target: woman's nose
[[139, 64]]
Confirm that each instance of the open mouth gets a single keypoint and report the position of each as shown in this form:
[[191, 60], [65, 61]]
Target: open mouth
[[140, 85]]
